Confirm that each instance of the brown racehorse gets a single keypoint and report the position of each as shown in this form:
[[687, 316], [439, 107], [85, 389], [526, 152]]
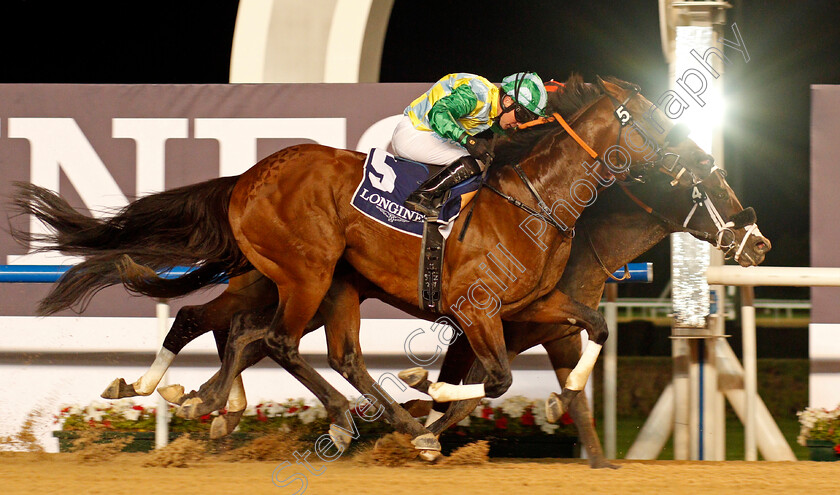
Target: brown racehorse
[[290, 216], [612, 232], [615, 231]]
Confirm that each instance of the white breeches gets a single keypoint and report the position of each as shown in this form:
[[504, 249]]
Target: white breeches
[[424, 146]]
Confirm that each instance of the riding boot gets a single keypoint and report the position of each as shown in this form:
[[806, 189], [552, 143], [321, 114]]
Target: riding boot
[[427, 197]]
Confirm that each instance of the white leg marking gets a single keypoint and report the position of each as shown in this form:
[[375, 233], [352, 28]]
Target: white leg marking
[[146, 384], [580, 373], [446, 392], [236, 398]]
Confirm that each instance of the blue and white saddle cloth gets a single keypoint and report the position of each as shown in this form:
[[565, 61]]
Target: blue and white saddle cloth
[[387, 182]]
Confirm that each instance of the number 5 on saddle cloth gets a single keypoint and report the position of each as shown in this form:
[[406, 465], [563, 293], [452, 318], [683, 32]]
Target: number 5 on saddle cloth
[[386, 183]]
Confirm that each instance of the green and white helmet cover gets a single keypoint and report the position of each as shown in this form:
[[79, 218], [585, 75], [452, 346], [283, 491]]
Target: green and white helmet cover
[[527, 89]]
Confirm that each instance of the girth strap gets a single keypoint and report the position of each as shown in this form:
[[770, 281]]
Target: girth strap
[[431, 265]]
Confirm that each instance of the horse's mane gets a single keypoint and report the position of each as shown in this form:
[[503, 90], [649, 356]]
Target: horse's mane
[[575, 95]]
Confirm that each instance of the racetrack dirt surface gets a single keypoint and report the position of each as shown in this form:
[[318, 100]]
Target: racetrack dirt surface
[[125, 474]]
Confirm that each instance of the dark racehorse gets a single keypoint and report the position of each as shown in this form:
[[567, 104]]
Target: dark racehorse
[[290, 216]]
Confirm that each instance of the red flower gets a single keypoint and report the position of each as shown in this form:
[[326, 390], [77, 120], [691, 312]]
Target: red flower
[[66, 410], [92, 423], [137, 408], [106, 424], [487, 412], [205, 418], [837, 449], [527, 419], [261, 416], [566, 419], [501, 423], [292, 409]]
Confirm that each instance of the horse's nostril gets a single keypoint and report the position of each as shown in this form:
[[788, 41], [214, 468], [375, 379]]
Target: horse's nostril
[[760, 246]]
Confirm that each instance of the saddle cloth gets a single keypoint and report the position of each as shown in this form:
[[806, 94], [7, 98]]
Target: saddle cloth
[[387, 182]]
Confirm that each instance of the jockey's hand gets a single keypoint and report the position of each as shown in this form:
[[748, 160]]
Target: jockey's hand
[[479, 148]]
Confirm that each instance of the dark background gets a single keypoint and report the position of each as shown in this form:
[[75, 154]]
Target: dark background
[[791, 44]]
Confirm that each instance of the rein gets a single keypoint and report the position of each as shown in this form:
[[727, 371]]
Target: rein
[[546, 211], [601, 262], [667, 221]]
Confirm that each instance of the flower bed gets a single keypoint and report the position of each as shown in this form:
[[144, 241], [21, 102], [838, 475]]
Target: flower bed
[[820, 432], [515, 428]]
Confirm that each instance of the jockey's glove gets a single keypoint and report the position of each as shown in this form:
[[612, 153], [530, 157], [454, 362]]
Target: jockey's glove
[[478, 148]]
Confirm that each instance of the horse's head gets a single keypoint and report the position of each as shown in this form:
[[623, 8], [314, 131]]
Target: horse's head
[[698, 199]]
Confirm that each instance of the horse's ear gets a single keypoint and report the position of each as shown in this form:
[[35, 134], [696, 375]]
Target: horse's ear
[[606, 86]]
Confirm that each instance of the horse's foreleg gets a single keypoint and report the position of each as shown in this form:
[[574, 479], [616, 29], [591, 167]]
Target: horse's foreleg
[[458, 410], [282, 343], [244, 349], [190, 322], [557, 307], [224, 424], [456, 364], [564, 354], [340, 309], [488, 343]]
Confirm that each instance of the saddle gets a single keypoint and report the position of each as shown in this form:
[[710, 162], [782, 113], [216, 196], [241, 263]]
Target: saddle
[[386, 183]]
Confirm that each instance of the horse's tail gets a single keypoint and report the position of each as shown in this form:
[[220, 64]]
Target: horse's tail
[[186, 226]]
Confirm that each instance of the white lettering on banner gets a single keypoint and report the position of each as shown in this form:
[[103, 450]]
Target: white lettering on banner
[[389, 206], [238, 137], [59, 142], [150, 136]]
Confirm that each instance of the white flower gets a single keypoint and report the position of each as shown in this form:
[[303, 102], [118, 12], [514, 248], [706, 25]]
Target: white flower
[[272, 409], [250, 410], [132, 414], [819, 419], [312, 413], [541, 420], [515, 406]]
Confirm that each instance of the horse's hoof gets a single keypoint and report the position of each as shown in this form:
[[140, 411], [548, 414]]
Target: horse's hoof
[[554, 408], [341, 439], [431, 456], [602, 463], [119, 389], [189, 409], [415, 377], [174, 394], [426, 441], [224, 424]]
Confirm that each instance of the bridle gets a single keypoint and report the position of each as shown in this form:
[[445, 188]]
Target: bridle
[[724, 238], [665, 162]]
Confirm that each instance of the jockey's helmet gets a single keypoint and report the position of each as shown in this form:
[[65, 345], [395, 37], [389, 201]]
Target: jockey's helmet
[[528, 93]]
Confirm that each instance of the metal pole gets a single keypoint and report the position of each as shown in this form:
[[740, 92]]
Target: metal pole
[[682, 397], [610, 371], [162, 418], [750, 371]]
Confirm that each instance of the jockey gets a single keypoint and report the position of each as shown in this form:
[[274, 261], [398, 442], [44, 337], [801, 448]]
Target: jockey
[[441, 127]]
